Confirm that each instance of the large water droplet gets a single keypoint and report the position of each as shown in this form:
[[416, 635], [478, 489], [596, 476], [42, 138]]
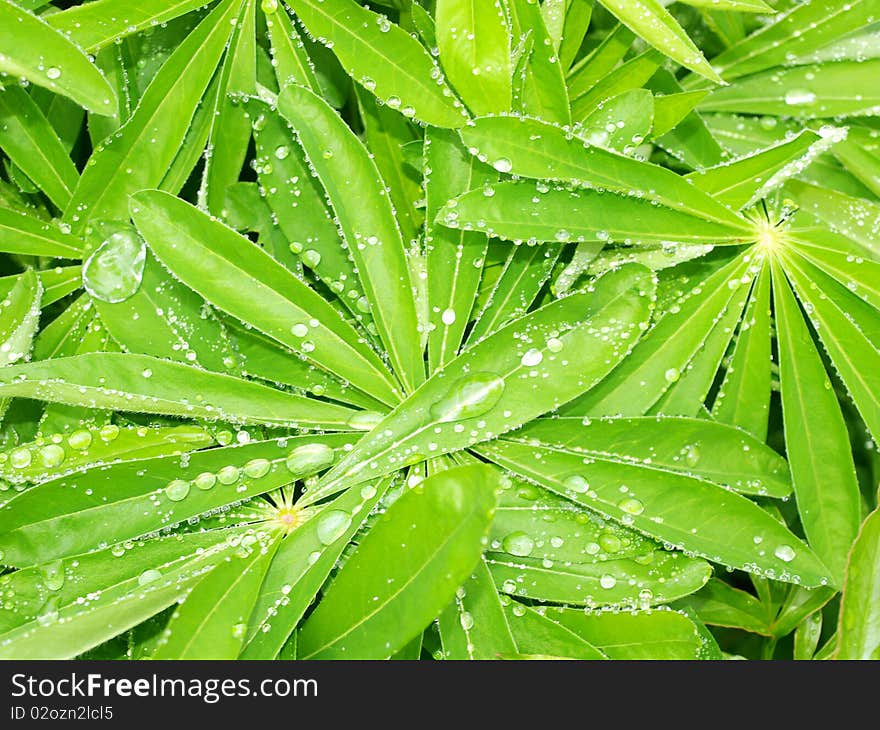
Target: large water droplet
[[518, 543], [177, 490], [205, 480], [532, 357], [149, 576], [576, 483], [471, 396], [257, 468], [80, 440], [503, 165], [467, 620], [53, 575], [331, 526], [114, 271], [228, 475], [607, 581], [365, 420], [785, 553], [20, 458], [309, 458], [631, 506], [52, 455]]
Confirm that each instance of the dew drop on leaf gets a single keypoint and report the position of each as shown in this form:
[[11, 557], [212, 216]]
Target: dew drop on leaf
[[470, 396], [113, 273], [332, 525]]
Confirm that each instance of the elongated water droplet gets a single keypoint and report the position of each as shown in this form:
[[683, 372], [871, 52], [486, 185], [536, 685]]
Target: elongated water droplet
[[177, 490], [532, 357], [631, 506], [113, 273], [471, 396], [80, 440], [205, 480], [503, 165], [257, 468], [467, 620], [365, 420], [576, 483], [53, 575], [309, 458], [785, 553], [150, 575], [228, 475], [331, 526]]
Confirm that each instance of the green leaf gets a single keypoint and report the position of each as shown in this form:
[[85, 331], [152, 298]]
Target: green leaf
[[473, 39], [845, 88], [128, 587], [57, 283], [133, 498], [670, 109], [657, 634], [628, 116], [374, 607], [131, 382], [732, 530], [383, 58], [655, 577], [454, 258], [744, 397], [97, 24], [31, 49], [691, 446], [29, 140], [816, 439], [534, 633], [858, 633], [138, 156], [24, 234], [654, 24], [210, 622], [535, 149], [506, 379], [289, 56], [473, 625], [720, 604], [286, 309], [19, 317], [366, 219]]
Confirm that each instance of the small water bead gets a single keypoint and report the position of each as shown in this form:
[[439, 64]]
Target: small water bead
[[109, 432], [299, 330], [532, 357], [147, 373], [149, 576], [257, 468], [204, 481], [365, 420], [282, 151], [607, 581], [503, 165], [631, 506], [113, 273], [800, 97], [610, 542], [269, 6], [692, 455], [177, 490], [448, 317], [51, 456], [117, 551], [519, 544], [20, 458], [332, 525], [228, 475], [671, 375], [80, 440], [368, 491], [576, 483], [309, 458], [467, 620], [53, 72], [554, 344], [785, 553]]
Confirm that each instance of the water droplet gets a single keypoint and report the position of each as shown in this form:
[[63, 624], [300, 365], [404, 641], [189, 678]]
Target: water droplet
[[692, 455], [150, 575], [332, 525], [228, 475], [257, 468], [309, 458], [576, 483], [53, 72], [205, 480], [80, 440], [503, 165], [607, 581], [52, 455], [532, 357], [20, 458], [299, 330], [113, 273], [282, 151], [448, 317], [554, 344], [53, 575], [365, 420], [609, 542], [470, 396], [631, 506], [799, 97], [785, 553], [467, 621], [518, 543], [672, 375], [177, 490], [311, 258], [109, 432], [269, 6]]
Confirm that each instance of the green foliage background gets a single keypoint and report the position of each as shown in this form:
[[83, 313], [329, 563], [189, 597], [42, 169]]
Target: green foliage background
[[454, 329]]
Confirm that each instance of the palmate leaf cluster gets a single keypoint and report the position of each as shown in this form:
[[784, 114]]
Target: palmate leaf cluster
[[457, 329]]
